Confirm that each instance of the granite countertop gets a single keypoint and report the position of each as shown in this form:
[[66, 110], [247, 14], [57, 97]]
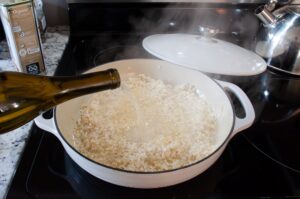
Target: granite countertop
[[12, 143]]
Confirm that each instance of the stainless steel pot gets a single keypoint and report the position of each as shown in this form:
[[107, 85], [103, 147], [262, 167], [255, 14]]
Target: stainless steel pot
[[63, 123]]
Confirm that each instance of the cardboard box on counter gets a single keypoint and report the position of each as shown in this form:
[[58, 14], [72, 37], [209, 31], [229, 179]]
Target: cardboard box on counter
[[22, 34]]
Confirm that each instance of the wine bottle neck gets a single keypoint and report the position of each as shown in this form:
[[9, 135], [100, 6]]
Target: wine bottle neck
[[71, 87]]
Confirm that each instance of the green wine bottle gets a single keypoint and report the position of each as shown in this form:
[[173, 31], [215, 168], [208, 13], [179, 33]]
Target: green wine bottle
[[23, 96]]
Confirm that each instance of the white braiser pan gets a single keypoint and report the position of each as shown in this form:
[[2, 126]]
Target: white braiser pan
[[186, 56], [63, 123]]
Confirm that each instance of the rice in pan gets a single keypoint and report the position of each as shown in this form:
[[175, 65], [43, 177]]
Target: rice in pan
[[146, 125]]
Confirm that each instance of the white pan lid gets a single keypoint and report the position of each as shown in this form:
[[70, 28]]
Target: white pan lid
[[205, 54]]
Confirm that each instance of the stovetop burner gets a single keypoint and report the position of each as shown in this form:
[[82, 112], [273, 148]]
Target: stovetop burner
[[118, 52]]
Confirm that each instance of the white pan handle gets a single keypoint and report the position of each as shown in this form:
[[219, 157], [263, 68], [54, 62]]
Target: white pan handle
[[247, 121], [47, 125]]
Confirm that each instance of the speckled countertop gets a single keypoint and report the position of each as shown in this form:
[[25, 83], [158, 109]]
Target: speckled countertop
[[12, 143]]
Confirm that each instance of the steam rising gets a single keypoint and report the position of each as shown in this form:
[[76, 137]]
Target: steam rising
[[238, 26], [174, 19]]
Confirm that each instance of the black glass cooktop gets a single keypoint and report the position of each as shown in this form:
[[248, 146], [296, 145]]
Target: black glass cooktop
[[261, 162], [46, 171]]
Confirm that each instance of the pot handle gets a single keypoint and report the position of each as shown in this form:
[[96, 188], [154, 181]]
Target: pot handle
[[247, 121], [47, 125]]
